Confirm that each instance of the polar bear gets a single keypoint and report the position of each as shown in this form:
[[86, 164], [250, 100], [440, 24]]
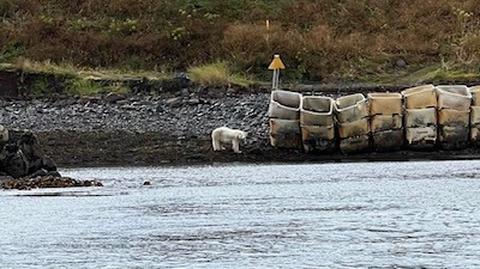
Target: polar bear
[[225, 135]]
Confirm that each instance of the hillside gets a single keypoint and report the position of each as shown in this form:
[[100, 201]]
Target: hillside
[[329, 40]]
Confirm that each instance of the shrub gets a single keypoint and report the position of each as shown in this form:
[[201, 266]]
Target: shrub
[[321, 40]]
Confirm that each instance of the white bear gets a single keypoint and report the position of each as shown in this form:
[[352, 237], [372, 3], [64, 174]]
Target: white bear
[[225, 135]]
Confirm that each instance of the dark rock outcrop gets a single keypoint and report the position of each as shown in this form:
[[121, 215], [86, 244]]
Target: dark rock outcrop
[[46, 182], [21, 155]]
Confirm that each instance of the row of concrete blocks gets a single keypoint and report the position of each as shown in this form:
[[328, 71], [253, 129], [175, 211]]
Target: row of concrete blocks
[[418, 118]]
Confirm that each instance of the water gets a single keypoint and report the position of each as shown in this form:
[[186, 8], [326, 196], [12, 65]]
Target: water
[[377, 215]]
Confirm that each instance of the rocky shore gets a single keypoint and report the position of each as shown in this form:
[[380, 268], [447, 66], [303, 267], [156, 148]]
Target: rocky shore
[[25, 166], [166, 128]]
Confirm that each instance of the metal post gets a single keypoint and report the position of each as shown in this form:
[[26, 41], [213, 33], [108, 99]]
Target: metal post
[[275, 66]]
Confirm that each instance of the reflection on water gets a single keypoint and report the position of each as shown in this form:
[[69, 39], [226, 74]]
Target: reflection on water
[[378, 215]]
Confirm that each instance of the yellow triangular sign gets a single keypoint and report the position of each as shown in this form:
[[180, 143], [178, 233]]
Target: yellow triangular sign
[[276, 63]]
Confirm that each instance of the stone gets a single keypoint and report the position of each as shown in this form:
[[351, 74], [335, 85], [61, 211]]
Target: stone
[[14, 162], [159, 109], [184, 93], [113, 97], [400, 63], [39, 173], [48, 164], [174, 102], [47, 182], [147, 183], [194, 101]]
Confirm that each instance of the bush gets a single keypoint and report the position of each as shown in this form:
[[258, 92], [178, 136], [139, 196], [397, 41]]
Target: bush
[[320, 40]]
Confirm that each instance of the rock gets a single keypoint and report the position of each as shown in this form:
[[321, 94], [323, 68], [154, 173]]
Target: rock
[[114, 97], [14, 162], [23, 156], [39, 173], [29, 146], [147, 183], [194, 101], [400, 63], [47, 182], [182, 80], [48, 164], [159, 109], [174, 102], [184, 93], [54, 174]]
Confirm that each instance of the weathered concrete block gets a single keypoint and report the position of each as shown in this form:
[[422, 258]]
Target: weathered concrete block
[[453, 137], [285, 105], [385, 122], [450, 117], [420, 97], [420, 117], [388, 140], [318, 138], [355, 144], [351, 108], [317, 111], [474, 115], [421, 137], [355, 128], [454, 97], [385, 103], [475, 92], [285, 134]]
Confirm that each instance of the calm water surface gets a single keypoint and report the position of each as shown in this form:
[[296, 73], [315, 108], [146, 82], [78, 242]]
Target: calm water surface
[[360, 215]]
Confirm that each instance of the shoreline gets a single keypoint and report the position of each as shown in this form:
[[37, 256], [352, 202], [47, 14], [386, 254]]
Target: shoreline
[[171, 129], [157, 151]]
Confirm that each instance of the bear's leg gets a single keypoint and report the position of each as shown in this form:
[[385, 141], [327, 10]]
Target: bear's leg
[[216, 145], [236, 146], [215, 142]]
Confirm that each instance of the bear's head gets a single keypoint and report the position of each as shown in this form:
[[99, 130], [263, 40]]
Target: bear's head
[[242, 135]]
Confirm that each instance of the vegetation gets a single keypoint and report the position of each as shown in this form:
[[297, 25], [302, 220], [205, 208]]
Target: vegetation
[[217, 74], [326, 40]]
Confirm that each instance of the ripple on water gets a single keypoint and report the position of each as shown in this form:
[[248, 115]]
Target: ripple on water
[[359, 215]]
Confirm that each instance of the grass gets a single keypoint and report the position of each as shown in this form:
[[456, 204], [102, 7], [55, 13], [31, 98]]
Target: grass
[[323, 41], [83, 87], [66, 69], [217, 74], [436, 73]]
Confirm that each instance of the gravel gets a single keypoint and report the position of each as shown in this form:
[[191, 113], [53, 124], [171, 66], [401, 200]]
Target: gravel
[[190, 114]]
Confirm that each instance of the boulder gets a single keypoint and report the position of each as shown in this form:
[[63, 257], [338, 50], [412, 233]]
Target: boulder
[[22, 156]]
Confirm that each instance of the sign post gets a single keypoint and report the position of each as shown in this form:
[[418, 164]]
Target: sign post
[[276, 66]]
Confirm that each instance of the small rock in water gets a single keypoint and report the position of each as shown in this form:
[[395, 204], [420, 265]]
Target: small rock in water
[[147, 183]]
